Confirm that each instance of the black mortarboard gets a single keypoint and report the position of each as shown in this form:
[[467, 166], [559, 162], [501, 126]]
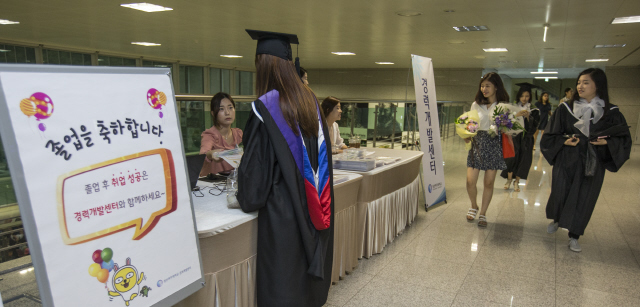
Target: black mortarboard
[[276, 44]]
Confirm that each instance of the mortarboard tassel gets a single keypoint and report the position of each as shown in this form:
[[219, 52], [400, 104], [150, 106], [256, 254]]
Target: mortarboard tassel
[[297, 61]]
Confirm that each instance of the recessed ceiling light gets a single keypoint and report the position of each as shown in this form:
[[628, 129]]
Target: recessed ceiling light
[[544, 72], [546, 77], [5, 50], [596, 60], [146, 7], [495, 50], [343, 53], [385, 63], [231, 56], [546, 27], [409, 13], [471, 28], [8, 22], [456, 42], [145, 44], [628, 19], [610, 46], [479, 57]]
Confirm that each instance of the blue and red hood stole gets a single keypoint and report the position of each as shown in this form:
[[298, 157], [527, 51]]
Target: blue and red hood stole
[[316, 184]]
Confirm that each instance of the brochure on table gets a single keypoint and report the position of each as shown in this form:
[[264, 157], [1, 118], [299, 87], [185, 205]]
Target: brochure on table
[[428, 122], [98, 166]]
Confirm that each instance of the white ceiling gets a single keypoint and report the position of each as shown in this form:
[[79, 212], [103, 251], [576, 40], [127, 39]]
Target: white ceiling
[[198, 31]]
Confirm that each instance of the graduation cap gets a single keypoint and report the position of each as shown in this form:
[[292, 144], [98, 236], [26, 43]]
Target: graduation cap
[[276, 44]]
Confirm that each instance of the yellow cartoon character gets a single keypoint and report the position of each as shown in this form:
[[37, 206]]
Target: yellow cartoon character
[[126, 282]]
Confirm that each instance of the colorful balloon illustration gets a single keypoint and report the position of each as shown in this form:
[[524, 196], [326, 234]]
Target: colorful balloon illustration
[[107, 254], [97, 256], [103, 275], [94, 268], [107, 265], [156, 99], [39, 105], [28, 107]]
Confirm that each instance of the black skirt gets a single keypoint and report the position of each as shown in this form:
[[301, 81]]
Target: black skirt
[[486, 152]]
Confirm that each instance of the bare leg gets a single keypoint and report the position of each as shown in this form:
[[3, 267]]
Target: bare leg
[[472, 190], [535, 139], [516, 186], [509, 178], [487, 193]]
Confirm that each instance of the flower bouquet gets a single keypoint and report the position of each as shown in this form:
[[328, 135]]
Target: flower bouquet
[[467, 126], [504, 122]]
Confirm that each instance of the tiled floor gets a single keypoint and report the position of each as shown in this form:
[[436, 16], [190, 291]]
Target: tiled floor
[[442, 260]]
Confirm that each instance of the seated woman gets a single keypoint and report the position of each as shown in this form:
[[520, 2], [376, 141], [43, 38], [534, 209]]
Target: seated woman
[[221, 136], [332, 113]]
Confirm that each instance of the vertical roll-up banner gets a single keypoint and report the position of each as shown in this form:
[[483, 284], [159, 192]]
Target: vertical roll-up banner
[[429, 125], [98, 167]]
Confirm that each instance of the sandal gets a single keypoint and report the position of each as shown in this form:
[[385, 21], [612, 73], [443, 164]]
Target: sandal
[[507, 185], [516, 187], [482, 221], [471, 215]]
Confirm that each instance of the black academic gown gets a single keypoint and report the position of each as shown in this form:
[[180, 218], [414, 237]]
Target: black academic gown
[[294, 259], [520, 164], [574, 195]]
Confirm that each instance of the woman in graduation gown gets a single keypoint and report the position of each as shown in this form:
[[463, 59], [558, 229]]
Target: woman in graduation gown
[[523, 142], [286, 174], [571, 144]]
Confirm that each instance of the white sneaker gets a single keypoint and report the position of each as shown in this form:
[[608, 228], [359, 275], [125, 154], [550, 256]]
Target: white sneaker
[[552, 228], [574, 245]]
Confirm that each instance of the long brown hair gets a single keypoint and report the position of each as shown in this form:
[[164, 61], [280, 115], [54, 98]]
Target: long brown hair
[[297, 102], [501, 93], [328, 104]]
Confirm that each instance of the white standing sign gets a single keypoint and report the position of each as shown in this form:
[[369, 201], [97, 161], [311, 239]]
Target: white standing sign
[[98, 166], [427, 114]]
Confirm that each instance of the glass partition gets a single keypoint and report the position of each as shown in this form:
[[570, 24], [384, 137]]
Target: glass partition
[[104, 60], [386, 124], [50, 56], [17, 54]]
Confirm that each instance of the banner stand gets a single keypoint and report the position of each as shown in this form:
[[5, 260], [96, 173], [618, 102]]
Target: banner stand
[[429, 127]]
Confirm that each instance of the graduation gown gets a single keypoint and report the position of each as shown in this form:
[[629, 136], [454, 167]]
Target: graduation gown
[[574, 195], [294, 258], [523, 147]]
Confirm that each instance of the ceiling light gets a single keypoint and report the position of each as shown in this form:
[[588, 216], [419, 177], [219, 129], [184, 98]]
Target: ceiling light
[[628, 19], [408, 13], [544, 72], [343, 53], [231, 56], [145, 44], [449, 11], [546, 27], [8, 22], [5, 50], [596, 60], [471, 28], [610, 46], [546, 77], [385, 63], [495, 50], [146, 7]]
